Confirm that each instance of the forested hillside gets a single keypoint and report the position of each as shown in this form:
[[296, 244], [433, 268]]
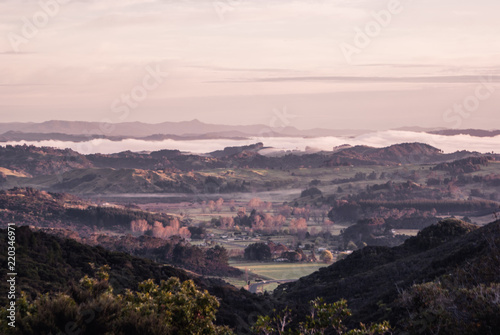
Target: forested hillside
[[51, 264], [419, 285]]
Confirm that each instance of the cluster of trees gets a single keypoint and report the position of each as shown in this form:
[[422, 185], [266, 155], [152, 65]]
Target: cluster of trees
[[266, 251], [284, 219], [441, 206], [175, 250], [258, 252], [260, 221], [363, 176], [465, 165], [359, 176], [207, 261], [402, 213], [436, 186], [492, 180], [212, 206], [311, 192], [197, 232], [256, 203], [394, 191], [257, 221], [374, 231], [452, 185], [221, 185], [267, 223], [158, 229], [113, 217]]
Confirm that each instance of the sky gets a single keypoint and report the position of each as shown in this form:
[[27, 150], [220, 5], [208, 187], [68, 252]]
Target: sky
[[355, 64]]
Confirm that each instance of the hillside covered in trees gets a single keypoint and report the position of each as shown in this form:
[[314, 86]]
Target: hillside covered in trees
[[445, 280], [51, 264]]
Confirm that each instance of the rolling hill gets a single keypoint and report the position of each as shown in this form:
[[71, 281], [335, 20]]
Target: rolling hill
[[187, 128]]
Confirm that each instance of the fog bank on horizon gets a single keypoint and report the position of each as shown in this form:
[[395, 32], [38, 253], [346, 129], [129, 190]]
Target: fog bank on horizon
[[448, 144]]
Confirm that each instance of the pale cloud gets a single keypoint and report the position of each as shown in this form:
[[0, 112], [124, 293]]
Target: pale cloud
[[448, 144]]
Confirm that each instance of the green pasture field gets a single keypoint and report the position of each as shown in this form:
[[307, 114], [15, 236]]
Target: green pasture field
[[276, 270], [409, 232], [492, 167]]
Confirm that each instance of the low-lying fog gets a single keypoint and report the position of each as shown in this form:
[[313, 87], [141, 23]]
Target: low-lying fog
[[377, 139]]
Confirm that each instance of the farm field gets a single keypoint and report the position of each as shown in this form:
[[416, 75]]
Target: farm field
[[409, 232], [276, 271]]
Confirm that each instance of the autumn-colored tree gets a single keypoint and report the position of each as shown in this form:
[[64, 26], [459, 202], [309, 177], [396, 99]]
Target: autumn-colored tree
[[226, 222], [184, 232], [139, 226], [255, 203], [298, 225], [218, 204], [326, 256], [211, 206], [285, 210]]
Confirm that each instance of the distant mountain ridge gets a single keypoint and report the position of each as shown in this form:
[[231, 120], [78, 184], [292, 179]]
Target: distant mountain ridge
[[471, 132], [183, 128], [17, 136]]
